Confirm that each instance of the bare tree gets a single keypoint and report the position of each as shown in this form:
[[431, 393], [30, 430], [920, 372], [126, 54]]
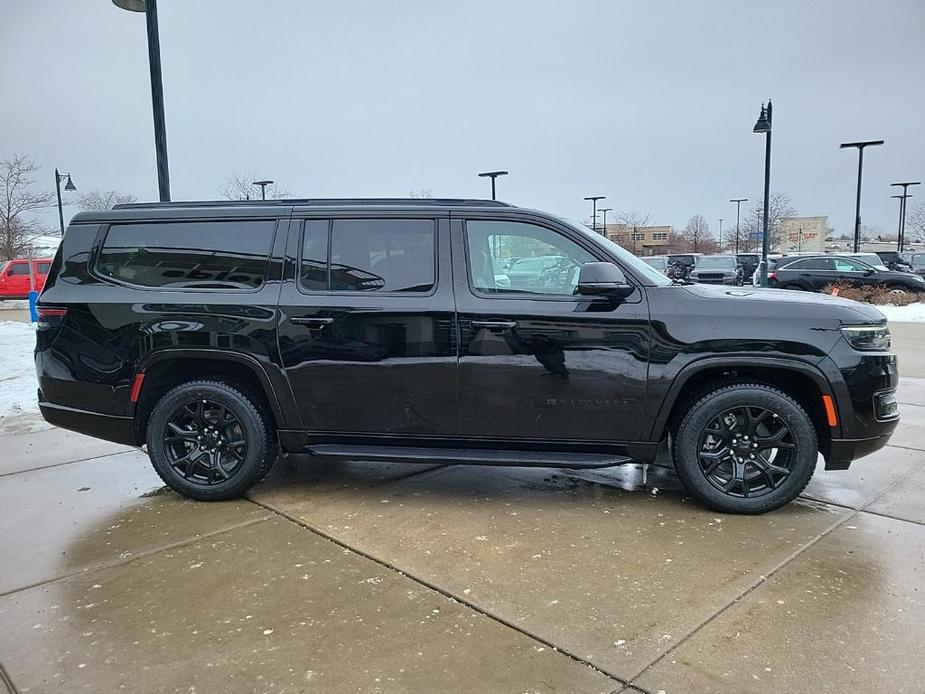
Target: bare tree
[[634, 219], [241, 187], [103, 199], [697, 234], [780, 205], [18, 198], [915, 224], [422, 194]]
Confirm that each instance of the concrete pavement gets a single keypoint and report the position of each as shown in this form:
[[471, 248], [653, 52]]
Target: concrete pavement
[[391, 578]]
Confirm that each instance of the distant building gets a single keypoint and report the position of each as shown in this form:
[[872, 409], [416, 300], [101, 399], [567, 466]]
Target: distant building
[[641, 240], [803, 234]]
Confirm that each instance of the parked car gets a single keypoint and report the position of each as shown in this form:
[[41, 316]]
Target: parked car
[[772, 264], [893, 261], [717, 269], [687, 261], [814, 273], [915, 260], [659, 262], [748, 262], [221, 333], [15, 280]]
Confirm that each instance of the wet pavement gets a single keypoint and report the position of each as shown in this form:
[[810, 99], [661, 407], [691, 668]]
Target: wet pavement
[[433, 578]]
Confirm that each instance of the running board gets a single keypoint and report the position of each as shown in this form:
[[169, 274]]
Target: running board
[[465, 456]]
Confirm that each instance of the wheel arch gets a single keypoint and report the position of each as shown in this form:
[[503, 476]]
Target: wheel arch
[[169, 368], [801, 381]]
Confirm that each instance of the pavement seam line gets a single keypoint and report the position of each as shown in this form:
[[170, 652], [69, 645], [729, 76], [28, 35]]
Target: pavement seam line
[[745, 593], [141, 555], [7, 681], [442, 591], [67, 462]]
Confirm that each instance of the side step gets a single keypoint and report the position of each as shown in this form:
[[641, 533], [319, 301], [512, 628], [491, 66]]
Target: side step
[[465, 456]]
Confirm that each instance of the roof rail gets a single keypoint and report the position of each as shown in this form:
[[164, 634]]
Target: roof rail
[[322, 202]]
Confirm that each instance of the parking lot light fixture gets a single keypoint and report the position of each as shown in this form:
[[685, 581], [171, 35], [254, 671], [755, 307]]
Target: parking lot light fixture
[[263, 187], [594, 199], [738, 202], [763, 125], [492, 175], [857, 208], [604, 211], [149, 7], [901, 234], [69, 186]]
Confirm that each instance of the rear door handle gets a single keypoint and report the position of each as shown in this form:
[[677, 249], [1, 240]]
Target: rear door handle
[[494, 324], [312, 323]]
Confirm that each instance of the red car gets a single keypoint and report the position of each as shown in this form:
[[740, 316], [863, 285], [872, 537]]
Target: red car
[[14, 277]]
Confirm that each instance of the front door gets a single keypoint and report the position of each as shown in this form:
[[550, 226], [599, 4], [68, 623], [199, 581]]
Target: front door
[[366, 330], [537, 361], [854, 272]]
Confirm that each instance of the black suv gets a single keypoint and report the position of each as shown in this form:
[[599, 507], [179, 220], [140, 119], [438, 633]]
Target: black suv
[[221, 333], [815, 272]]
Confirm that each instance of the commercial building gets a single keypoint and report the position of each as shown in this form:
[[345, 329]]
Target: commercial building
[[654, 240]]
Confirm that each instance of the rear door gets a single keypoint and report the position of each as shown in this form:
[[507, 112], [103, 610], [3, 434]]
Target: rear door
[[367, 326], [812, 273], [538, 362]]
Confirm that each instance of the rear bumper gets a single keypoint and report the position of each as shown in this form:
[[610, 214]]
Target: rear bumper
[[102, 426]]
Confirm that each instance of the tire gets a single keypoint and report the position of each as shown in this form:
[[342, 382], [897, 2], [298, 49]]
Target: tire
[[187, 419], [725, 468]]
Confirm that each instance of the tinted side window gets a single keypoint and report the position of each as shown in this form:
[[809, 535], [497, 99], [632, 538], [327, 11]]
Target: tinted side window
[[19, 269], [314, 267], [811, 264], [392, 255], [195, 255]]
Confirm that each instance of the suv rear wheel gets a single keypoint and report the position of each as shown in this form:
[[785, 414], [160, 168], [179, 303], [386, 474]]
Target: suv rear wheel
[[745, 448], [209, 441]]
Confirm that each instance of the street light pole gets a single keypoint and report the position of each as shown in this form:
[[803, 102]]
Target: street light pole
[[721, 231], [263, 188], [857, 209], [493, 175], [763, 125], [901, 239], [67, 186], [604, 211], [594, 199], [738, 202], [149, 7]]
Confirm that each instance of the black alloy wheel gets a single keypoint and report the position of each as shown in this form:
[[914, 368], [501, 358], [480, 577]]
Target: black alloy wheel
[[205, 442]]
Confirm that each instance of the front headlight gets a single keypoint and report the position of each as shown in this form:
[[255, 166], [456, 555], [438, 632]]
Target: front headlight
[[867, 338]]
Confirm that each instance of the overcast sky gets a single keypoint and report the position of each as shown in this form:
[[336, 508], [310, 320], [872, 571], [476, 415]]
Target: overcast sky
[[649, 103]]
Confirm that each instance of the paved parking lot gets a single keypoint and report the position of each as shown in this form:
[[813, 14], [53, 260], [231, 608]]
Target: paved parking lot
[[390, 578]]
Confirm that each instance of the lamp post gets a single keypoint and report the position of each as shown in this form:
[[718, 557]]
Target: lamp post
[[594, 199], [901, 236], [738, 202], [857, 209], [604, 211], [721, 231], [763, 125], [263, 188], [493, 175], [149, 7], [69, 186]]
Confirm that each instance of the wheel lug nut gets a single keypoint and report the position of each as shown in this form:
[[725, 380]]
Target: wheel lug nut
[[751, 456]]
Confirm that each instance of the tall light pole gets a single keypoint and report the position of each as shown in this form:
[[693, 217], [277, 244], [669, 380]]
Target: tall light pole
[[738, 202], [263, 187], [493, 175], [901, 236], [721, 231], [149, 7], [594, 199], [67, 186], [604, 211], [763, 125], [857, 209]]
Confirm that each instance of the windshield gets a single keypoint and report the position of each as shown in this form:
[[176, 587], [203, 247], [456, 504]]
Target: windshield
[[650, 273], [717, 263]]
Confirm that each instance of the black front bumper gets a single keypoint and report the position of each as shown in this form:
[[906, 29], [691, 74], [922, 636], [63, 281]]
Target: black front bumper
[[843, 451]]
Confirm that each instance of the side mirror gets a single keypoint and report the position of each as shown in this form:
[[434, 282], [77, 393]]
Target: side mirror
[[868, 273], [603, 279]]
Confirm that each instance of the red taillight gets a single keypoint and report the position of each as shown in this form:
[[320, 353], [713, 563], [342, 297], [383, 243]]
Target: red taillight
[[136, 387], [50, 317], [772, 275]]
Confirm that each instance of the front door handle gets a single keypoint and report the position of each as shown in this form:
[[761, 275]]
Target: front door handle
[[312, 323], [494, 324]]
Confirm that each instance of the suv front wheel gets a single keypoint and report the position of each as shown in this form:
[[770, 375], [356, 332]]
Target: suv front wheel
[[209, 441], [745, 448]]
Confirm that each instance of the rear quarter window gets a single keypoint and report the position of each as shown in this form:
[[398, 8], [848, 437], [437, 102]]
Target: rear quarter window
[[188, 255]]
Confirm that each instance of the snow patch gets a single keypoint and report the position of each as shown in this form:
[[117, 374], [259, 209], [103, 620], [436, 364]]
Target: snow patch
[[912, 313], [17, 372]]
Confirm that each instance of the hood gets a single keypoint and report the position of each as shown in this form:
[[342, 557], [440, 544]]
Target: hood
[[784, 303]]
